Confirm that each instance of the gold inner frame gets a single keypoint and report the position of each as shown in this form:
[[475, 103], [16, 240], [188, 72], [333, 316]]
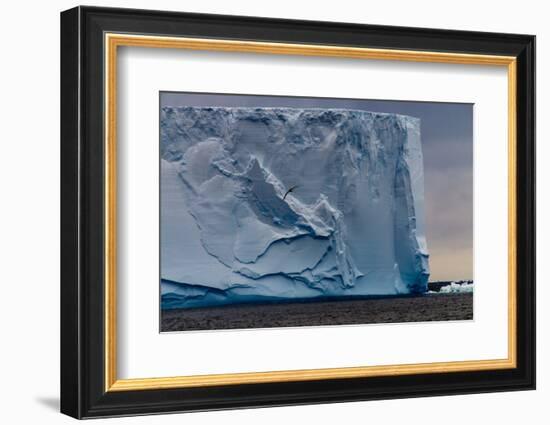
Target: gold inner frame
[[113, 41]]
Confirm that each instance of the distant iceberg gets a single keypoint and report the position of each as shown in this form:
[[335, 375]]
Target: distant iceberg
[[455, 287], [274, 204]]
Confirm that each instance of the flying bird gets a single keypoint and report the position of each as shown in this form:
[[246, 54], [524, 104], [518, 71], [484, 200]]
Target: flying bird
[[290, 190]]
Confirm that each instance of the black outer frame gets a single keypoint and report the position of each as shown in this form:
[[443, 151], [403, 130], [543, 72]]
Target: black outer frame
[[82, 219]]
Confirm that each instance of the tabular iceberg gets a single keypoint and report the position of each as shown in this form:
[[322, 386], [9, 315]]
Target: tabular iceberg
[[264, 204]]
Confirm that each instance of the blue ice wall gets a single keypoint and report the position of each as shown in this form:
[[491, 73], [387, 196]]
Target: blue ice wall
[[353, 223]]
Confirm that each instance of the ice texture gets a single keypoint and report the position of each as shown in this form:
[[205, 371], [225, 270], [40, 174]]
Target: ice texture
[[352, 225]]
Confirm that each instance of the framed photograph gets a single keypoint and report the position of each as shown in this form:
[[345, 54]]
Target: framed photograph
[[261, 212]]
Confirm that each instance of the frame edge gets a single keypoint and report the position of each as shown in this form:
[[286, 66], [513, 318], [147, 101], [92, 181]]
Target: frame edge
[[70, 349]]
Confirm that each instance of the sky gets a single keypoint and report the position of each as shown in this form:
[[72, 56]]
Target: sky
[[447, 145]]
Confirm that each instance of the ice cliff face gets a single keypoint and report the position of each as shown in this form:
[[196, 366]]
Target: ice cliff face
[[231, 231]]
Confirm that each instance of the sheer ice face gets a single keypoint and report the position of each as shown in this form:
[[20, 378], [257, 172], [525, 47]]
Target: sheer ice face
[[231, 231]]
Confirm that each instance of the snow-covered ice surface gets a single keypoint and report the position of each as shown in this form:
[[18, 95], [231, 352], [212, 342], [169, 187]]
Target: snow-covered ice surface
[[353, 224]]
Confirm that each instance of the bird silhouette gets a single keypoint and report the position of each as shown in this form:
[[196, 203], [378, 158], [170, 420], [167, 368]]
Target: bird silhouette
[[290, 190]]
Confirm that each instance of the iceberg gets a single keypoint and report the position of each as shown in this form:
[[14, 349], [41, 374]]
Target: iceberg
[[280, 204]]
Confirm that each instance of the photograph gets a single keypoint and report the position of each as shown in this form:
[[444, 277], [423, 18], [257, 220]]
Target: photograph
[[282, 210], [279, 211]]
